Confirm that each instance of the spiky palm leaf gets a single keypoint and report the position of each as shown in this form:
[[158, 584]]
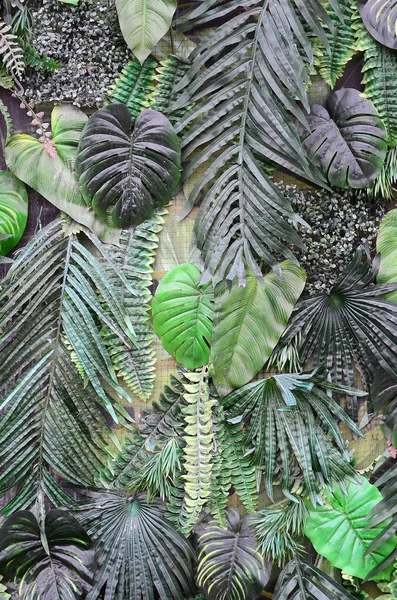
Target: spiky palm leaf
[[342, 43], [294, 416], [56, 294], [133, 257], [352, 325], [230, 567], [134, 86], [380, 78], [10, 51], [301, 580], [258, 62], [138, 552]]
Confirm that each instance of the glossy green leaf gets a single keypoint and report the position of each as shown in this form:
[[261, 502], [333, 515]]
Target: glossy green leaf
[[249, 322], [144, 22], [347, 139], [13, 211], [380, 18], [386, 245], [183, 312], [128, 169], [340, 530], [47, 168], [50, 563]]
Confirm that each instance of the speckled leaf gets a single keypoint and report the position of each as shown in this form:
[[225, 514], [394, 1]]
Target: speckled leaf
[[339, 530], [13, 211], [183, 314], [128, 170], [380, 18], [144, 22], [249, 322], [347, 139]]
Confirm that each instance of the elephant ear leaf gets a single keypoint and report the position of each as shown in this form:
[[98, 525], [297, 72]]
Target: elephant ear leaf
[[48, 168], [182, 315], [128, 170], [347, 139], [13, 211], [249, 322], [340, 531], [53, 563], [144, 22], [380, 18]]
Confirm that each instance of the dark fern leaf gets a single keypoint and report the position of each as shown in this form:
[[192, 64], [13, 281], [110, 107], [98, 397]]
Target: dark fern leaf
[[167, 74]]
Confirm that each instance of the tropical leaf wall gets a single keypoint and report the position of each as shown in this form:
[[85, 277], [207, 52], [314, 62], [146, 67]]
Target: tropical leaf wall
[[187, 411]]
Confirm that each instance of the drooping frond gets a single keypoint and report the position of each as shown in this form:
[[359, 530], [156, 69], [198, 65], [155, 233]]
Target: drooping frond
[[11, 53], [56, 289], [380, 78], [342, 43], [352, 325], [167, 74], [134, 86], [292, 416], [134, 257], [7, 117], [257, 65]]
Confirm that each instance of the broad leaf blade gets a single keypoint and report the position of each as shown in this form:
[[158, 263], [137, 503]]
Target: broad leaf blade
[[380, 18], [13, 211]]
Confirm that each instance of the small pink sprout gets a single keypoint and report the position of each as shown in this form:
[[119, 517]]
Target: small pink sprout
[[392, 449]]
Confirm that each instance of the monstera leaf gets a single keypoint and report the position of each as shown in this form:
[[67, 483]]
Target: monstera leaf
[[48, 168], [380, 18], [128, 169], [347, 139], [183, 314], [13, 211], [144, 22], [386, 245], [249, 322], [50, 563], [230, 567], [339, 530]]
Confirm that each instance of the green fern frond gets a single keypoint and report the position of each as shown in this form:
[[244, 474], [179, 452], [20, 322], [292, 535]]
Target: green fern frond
[[199, 445], [39, 62], [54, 290], [167, 75], [7, 117], [221, 476], [133, 257], [134, 85], [380, 77], [6, 81], [11, 53]]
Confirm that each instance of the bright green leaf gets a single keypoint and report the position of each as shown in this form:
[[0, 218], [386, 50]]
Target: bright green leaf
[[13, 211], [249, 322], [183, 314], [338, 530], [386, 244]]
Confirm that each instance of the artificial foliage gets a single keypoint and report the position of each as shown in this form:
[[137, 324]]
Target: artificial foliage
[[379, 17], [13, 211]]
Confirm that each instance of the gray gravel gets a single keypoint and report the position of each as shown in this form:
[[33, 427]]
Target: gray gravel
[[86, 39]]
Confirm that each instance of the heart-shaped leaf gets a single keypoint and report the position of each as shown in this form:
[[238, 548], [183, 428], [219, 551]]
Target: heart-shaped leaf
[[183, 314], [51, 564], [144, 22], [249, 322], [347, 139], [13, 211], [48, 169], [380, 18], [130, 170], [339, 530]]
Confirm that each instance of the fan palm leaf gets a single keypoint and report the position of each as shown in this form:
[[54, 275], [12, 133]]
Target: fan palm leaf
[[56, 295], [258, 63]]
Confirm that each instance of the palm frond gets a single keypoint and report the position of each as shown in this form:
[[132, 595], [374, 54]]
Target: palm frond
[[293, 416], [352, 325], [56, 289], [138, 552], [380, 77], [133, 257], [257, 65], [10, 51], [342, 43], [134, 86], [230, 567], [301, 580], [383, 186]]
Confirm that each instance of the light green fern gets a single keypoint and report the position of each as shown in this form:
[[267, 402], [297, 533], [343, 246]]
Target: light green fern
[[134, 86], [380, 77], [341, 41]]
